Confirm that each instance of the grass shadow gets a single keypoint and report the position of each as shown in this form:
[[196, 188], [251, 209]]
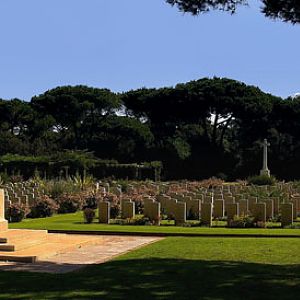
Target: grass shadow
[[158, 279]]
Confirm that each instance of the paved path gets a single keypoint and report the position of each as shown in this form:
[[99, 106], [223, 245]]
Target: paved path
[[108, 248]]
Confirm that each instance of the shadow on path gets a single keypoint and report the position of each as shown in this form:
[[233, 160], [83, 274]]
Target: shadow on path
[[158, 279]]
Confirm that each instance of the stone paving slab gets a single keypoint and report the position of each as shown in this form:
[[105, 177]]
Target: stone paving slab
[[108, 248]]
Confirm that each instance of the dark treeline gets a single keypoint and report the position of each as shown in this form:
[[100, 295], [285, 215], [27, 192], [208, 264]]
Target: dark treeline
[[203, 128], [285, 10]]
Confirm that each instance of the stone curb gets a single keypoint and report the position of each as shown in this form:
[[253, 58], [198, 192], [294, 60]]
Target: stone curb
[[173, 234]]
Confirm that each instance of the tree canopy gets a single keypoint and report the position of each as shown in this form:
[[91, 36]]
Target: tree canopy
[[206, 127], [286, 10]]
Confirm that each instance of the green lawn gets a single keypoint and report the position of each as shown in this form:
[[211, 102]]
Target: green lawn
[[176, 268], [75, 222]]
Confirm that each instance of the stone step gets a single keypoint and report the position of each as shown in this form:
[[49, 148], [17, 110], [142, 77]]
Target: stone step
[[18, 240], [18, 258], [18, 234], [54, 244], [37, 251], [24, 242], [7, 247]]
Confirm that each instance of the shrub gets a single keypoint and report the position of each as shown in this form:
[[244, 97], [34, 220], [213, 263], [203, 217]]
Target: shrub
[[124, 185], [170, 216], [262, 180], [58, 188], [139, 221], [211, 182], [192, 215], [69, 203], [111, 198], [4, 178], [90, 202], [139, 207], [55, 189], [242, 222], [118, 222], [292, 226], [89, 215], [83, 182], [277, 218], [114, 211], [16, 213], [44, 207], [16, 178]]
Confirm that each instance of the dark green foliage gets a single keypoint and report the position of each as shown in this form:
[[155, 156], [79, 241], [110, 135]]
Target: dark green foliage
[[74, 160], [15, 212], [138, 221], [287, 10], [200, 129], [192, 216], [262, 180], [44, 207], [139, 207], [90, 202], [196, 7], [4, 178], [242, 222], [73, 163], [89, 215], [114, 211], [69, 203], [14, 164]]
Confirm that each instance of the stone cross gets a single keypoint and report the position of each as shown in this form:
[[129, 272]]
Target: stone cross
[[265, 170]]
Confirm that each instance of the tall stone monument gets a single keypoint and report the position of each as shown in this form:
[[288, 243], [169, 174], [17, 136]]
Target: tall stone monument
[[265, 171], [3, 222]]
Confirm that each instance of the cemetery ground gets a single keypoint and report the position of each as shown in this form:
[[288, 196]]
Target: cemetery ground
[[175, 268], [234, 241]]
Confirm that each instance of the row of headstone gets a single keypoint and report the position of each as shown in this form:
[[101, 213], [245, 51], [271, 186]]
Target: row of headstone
[[181, 201], [218, 189], [21, 193], [246, 202], [259, 213]]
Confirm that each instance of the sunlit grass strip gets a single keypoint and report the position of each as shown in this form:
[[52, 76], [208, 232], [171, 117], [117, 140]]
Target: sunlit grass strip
[[175, 268], [75, 222]]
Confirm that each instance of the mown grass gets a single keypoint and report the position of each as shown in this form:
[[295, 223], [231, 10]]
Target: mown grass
[[75, 222], [176, 268]]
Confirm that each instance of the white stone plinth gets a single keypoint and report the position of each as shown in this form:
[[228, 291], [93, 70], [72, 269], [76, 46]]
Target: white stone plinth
[[265, 173], [3, 225], [3, 222]]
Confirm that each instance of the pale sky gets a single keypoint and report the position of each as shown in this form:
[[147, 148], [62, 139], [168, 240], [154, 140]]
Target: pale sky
[[128, 44]]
